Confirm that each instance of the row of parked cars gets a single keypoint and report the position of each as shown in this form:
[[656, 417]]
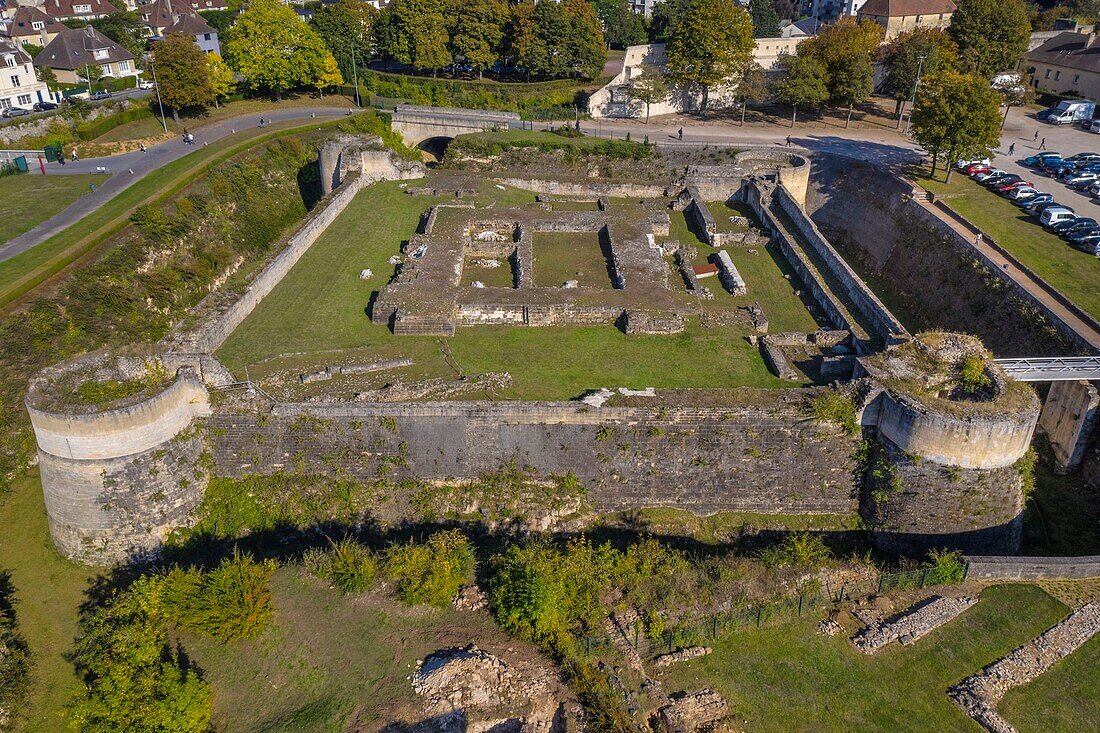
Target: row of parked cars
[[1081, 172]]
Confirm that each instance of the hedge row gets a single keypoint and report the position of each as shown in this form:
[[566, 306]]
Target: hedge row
[[87, 131]]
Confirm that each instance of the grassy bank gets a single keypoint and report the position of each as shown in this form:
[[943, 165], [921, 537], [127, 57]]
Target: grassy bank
[[31, 198]]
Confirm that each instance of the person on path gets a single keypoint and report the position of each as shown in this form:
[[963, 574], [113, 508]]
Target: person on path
[[1012, 149], [61, 157], [978, 238], [75, 156], [142, 144], [1036, 136], [788, 141], [680, 133], [1043, 144]]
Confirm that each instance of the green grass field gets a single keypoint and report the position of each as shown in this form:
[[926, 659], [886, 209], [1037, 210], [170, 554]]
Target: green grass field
[[31, 198], [560, 256], [320, 308], [1071, 271], [790, 678]]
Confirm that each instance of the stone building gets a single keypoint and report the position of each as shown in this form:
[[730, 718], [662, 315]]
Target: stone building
[[899, 16], [19, 85], [1069, 63]]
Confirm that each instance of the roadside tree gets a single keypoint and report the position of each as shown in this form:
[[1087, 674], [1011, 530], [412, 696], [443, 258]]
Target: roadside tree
[[956, 116], [477, 31], [665, 15], [804, 84], [329, 77], [846, 51], [273, 50], [709, 43], [649, 87], [219, 76], [182, 76], [992, 35], [586, 48], [751, 87], [765, 23], [423, 25], [347, 28], [622, 27], [927, 50]]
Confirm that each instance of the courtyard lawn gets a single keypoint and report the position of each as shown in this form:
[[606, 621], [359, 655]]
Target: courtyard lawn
[[48, 593], [562, 256], [320, 308], [31, 199], [790, 678], [1062, 699], [1073, 272]]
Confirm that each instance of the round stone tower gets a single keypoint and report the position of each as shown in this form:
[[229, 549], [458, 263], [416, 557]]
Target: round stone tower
[[120, 460]]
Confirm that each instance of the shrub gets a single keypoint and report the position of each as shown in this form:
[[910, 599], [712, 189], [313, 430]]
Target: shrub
[[837, 408], [947, 566], [798, 549], [134, 681], [346, 564], [14, 664], [432, 572], [972, 374], [232, 601]]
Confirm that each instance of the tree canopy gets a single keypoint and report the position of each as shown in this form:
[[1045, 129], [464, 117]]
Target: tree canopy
[[765, 23], [845, 50], [709, 43], [182, 77], [992, 34], [219, 76], [477, 31], [804, 85], [125, 29], [273, 50], [956, 116], [903, 58], [649, 87], [622, 27], [347, 27]]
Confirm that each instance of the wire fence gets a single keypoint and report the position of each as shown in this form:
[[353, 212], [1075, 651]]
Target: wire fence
[[707, 629]]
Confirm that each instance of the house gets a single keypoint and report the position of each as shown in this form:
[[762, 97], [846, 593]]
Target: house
[[77, 50], [899, 16], [204, 34], [802, 29], [201, 5], [77, 9], [19, 85], [1069, 63], [28, 24], [827, 11]]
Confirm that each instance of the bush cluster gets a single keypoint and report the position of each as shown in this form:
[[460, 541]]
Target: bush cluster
[[431, 573], [14, 662], [542, 100], [346, 564], [799, 550], [835, 407], [232, 601], [484, 147]]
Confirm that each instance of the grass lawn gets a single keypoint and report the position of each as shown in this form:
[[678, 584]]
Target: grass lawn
[[790, 678], [1071, 271], [30, 199], [320, 308], [502, 276], [1062, 699], [48, 593], [562, 256]]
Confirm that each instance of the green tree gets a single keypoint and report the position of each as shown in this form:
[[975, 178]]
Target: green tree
[[710, 43], [431, 573], [751, 87], [956, 116], [347, 28], [273, 50], [804, 84], [522, 36], [546, 51], [182, 77], [219, 20], [622, 27], [586, 47], [125, 29], [329, 77], [219, 76], [649, 87], [390, 43], [845, 50], [477, 31], [666, 14], [765, 24], [928, 50], [423, 25], [991, 34]]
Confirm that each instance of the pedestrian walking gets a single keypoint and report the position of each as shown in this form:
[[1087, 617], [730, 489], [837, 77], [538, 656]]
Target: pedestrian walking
[[142, 144], [680, 134], [788, 141], [978, 238], [1036, 136], [1043, 144], [1012, 149], [61, 158], [75, 156]]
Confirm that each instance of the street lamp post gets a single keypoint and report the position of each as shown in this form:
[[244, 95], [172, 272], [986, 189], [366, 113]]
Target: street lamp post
[[920, 65], [355, 77], [153, 66]]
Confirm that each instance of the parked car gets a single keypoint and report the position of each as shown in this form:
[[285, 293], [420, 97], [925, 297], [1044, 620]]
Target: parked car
[[1089, 245], [16, 112], [1082, 156], [1092, 126], [1008, 180], [1053, 165], [145, 84], [1070, 111], [1023, 193], [975, 168], [1006, 189], [103, 94], [1082, 181], [963, 164], [1033, 161], [1037, 204], [992, 174], [1055, 214], [1083, 236], [43, 106], [1077, 223]]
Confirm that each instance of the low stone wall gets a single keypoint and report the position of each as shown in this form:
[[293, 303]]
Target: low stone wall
[[912, 624], [586, 190], [982, 567]]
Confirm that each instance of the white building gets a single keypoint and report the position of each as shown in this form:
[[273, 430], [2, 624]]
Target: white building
[[19, 85], [826, 11]]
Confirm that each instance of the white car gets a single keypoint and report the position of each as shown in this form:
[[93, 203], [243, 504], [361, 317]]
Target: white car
[[145, 84], [982, 177], [960, 164], [1023, 193], [1056, 214], [1085, 177]]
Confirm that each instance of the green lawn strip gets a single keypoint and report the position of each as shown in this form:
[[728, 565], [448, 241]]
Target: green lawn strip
[[790, 678], [48, 593], [23, 272], [31, 198], [562, 256], [1064, 698], [1073, 272]]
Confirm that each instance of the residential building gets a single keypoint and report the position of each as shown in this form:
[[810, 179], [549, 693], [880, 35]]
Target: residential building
[[204, 34], [77, 9], [200, 5], [28, 24], [19, 85], [800, 29], [85, 49], [899, 16], [827, 11], [1069, 63]]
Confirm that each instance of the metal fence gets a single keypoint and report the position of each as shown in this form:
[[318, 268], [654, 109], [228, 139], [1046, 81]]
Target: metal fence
[[709, 628]]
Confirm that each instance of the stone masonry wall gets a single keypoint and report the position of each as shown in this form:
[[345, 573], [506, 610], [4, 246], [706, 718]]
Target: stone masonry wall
[[703, 460]]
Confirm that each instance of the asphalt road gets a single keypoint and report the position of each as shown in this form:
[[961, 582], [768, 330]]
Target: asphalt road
[[127, 169]]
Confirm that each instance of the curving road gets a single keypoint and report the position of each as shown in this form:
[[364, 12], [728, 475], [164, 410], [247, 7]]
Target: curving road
[[128, 168]]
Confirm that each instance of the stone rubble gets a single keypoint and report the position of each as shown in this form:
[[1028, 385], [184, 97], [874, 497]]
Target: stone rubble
[[979, 694], [911, 624], [469, 598], [684, 655], [829, 627], [690, 711]]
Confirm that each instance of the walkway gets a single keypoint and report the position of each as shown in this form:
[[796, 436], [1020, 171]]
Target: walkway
[[120, 167]]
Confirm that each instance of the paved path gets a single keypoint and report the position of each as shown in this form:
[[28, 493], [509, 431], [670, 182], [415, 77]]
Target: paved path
[[141, 164]]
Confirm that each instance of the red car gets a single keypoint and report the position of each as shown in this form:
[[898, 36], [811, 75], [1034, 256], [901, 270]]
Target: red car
[[975, 168], [1004, 188]]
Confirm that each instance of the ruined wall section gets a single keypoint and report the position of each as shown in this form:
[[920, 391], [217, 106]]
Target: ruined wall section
[[768, 459]]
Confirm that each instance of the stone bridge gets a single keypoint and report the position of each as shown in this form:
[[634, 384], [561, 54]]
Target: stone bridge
[[419, 125]]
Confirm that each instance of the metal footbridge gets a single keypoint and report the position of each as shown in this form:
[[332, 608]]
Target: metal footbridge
[[1052, 369]]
